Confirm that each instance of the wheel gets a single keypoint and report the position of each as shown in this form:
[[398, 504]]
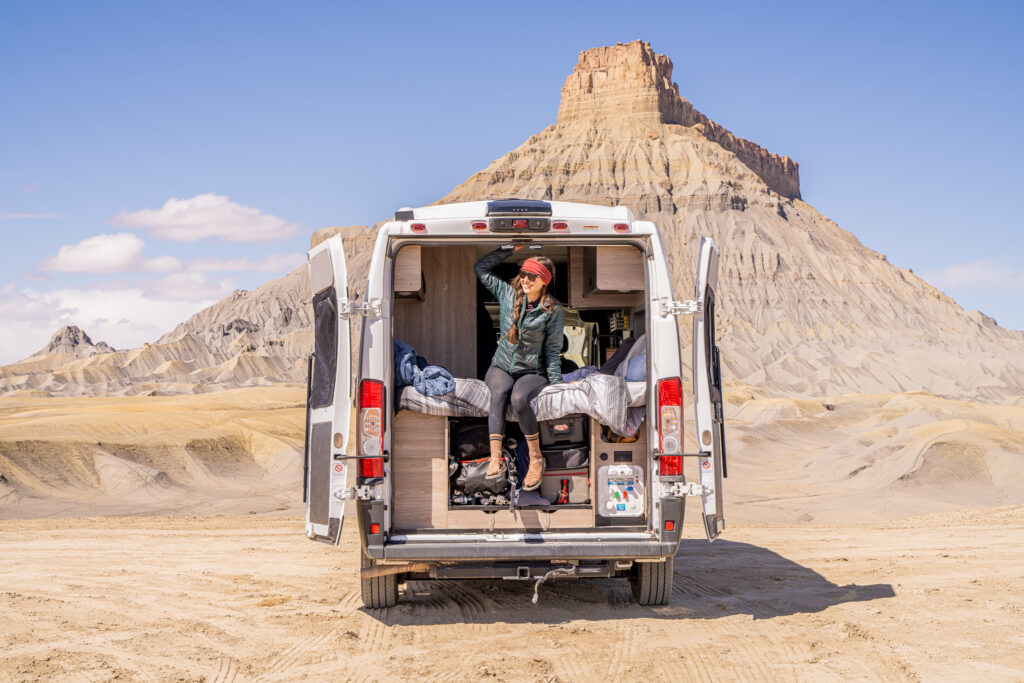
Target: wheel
[[652, 582], [378, 591]]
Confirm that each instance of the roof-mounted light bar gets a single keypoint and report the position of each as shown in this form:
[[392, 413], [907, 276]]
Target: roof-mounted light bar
[[518, 207]]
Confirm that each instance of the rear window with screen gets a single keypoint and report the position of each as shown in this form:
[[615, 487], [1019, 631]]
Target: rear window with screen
[[325, 364]]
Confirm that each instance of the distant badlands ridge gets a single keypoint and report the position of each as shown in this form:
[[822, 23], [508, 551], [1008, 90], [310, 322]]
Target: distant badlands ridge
[[805, 310]]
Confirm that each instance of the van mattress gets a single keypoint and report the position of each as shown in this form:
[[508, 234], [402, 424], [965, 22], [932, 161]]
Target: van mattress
[[608, 399]]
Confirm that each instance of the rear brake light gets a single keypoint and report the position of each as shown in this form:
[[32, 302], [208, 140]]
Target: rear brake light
[[479, 226], [371, 467], [371, 422], [670, 525], [670, 465], [520, 223], [670, 423], [559, 225], [418, 227], [375, 528], [622, 227]]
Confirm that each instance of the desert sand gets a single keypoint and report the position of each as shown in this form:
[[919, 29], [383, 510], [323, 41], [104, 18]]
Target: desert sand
[[792, 591], [249, 598]]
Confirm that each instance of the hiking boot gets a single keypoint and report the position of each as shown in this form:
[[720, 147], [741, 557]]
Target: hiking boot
[[496, 465], [531, 482]]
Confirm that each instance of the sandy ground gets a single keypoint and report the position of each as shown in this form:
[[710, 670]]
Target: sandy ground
[[245, 598]]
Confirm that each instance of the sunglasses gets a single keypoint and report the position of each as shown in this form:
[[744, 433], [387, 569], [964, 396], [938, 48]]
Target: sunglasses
[[528, 276]]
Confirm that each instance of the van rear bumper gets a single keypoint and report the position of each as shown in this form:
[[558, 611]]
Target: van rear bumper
[[530, 549]]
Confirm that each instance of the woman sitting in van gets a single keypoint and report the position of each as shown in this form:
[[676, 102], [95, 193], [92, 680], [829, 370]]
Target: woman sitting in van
[[528, 355]]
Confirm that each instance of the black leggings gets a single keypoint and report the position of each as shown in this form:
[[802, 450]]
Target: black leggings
[[518, 390]]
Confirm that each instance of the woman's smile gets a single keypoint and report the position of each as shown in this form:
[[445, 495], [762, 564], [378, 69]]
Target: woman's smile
[[531, 288]]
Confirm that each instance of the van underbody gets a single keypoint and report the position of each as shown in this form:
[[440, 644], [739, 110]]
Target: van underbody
[[417, 518]]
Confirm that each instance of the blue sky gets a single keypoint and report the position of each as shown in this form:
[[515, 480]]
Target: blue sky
[[282, 119]]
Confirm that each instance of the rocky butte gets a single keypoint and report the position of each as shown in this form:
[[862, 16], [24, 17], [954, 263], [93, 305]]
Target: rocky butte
[[805, 309]]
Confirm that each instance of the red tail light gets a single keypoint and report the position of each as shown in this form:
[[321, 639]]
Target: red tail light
[[670, 465], [479, 226], [371, 427], [559, 225], [622, 227], [418, 227], [670, 525], [670, 426], [371, 467], [520, 223], [375, 528]]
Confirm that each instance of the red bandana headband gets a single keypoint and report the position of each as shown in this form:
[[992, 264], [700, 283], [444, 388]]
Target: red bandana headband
[[537, 268]]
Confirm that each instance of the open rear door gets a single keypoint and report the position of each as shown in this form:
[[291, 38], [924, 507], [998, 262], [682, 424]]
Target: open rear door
[[707, 391], [329, 404]]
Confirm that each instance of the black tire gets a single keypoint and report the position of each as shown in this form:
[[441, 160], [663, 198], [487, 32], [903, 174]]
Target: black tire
[[378, 591], [652, 582]]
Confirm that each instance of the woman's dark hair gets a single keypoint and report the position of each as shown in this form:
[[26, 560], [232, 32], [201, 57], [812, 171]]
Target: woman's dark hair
[[547, 301]]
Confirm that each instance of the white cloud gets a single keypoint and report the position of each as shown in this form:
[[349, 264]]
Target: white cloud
[[206, 215], [12, 216], [983, 274], [106, 254], [190, 287], [272, 263], [123, 318]]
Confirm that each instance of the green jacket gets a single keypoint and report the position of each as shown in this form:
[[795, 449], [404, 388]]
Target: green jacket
[[540, 331]]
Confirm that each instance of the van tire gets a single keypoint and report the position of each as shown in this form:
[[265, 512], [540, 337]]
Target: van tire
[[652, 582], [378, 591]]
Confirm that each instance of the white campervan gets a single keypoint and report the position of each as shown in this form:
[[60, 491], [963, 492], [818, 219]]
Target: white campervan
[[618, 510]]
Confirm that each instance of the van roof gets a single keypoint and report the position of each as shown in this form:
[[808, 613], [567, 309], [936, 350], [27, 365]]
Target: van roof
[[564, 210]]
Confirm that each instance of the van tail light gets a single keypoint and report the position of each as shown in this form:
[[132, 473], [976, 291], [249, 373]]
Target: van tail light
[[670, 465], [622, 227], [371, 468], [559, 225], [670, 426], [479, 226], [371, 428], [418, 227]]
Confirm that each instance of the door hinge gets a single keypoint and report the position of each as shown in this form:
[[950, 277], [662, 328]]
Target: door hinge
[[670, 307], [369, 309], [358, 492], [682, 490]]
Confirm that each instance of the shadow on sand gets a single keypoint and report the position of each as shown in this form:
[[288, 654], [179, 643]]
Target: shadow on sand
[[713, 580]]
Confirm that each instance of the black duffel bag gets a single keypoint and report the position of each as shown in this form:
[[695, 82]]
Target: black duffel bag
[[471, 477]]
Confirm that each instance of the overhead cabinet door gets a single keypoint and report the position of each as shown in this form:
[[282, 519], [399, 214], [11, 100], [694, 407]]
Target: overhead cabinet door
[[707, 389], [329, 404]]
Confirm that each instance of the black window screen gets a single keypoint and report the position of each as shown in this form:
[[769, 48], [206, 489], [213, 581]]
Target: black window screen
[[325, 315]]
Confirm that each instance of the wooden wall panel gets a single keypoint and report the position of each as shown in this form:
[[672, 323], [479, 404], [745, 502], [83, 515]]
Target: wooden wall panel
[[442, 327], [532, 520], [420, 468]]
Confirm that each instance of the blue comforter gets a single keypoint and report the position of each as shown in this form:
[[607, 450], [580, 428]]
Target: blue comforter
[[429, 380]]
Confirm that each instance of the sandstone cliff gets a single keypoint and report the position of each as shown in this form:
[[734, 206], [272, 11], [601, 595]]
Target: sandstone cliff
[[805, 308]]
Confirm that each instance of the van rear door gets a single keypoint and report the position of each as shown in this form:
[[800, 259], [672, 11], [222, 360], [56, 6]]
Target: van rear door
[[329, 402], [707, 389]]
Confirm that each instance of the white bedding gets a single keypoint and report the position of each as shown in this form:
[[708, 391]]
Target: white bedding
[[608, 399]]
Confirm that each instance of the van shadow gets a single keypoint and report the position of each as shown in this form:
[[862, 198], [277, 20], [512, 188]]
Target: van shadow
[[711, 580]]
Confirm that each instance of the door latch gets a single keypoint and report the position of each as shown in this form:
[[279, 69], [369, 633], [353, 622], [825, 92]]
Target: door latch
[[689, 307], [681, 490], [357, 492], [349, 309]]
